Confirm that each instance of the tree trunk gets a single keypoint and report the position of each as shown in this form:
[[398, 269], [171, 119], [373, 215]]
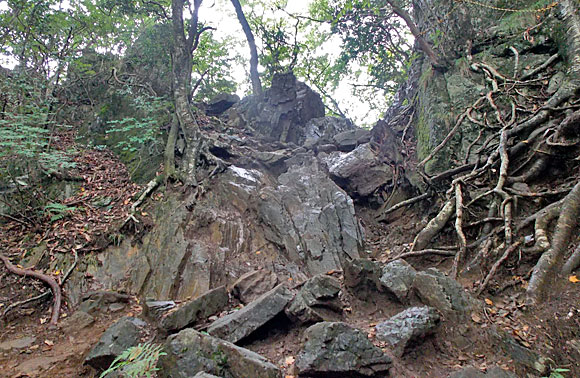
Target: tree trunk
[[254, 76], [415, 31]]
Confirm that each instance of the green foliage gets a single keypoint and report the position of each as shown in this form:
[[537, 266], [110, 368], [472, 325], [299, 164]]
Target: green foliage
[[58, 211], [136, 362], [557, 373]]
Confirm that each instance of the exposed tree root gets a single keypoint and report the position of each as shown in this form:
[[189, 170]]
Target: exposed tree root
[[382, 215], [434, 226], [544, 270], [573, 262], [46, 294], [424, 252], [51, 282], [497, 264], [459, 229]]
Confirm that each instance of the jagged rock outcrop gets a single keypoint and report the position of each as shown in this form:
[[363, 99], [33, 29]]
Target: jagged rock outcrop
[[254, 284], [316, 301]]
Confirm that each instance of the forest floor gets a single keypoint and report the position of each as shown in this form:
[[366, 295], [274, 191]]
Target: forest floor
[[58, 351]]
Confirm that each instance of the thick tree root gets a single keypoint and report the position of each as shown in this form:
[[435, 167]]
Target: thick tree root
[[545, 269], [573, 262], [51, 282], [381, 216], [434, 226], [497, 264]]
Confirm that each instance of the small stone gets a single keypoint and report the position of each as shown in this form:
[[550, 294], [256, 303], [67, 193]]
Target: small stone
[[20, 343], [156, 309], [437, 290]]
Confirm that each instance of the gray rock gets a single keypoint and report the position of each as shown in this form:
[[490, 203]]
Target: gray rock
[[96, 301], [311, 218], [321, 130], [398, 277], [360, 172], [362, 277], [155, 310], [240, 324], [254, 284], [281, 112], [338, 350], [198, 309], [471, 372], [125, 333], [221, 103], [190, 352], [467, 372], [20, 343], [116, 307], [437, 290], [77, 321], [520, 354], [348, 140], [205, 375], [406, 327], [316, 301]]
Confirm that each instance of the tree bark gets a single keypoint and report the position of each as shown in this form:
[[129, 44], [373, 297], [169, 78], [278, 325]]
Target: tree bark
[[254, 76]]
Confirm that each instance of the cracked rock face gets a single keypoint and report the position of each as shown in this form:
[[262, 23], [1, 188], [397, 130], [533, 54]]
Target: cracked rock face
[[398, 277], [317, 300], [334, 349], [437, 290]]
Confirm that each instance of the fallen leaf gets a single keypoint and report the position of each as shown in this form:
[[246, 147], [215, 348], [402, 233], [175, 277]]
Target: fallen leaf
[[289, 360], [489, 301], [48, 342], [476, 318], [573, 279]]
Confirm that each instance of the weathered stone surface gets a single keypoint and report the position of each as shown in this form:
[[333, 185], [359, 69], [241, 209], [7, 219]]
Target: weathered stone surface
[[198, 309], [437, 290], [348, 140], [155, 310], [77, 321], [334, 349], [254, 284], [237, 325], [221, 103], [406, 327], [125, 333], [322, 130], [316, 301], [190, 352], [95, 301], [359, 172], [205, 375], [312, 218], [398, 277], [471, 372], [20, 343], [520, 354], [362, 277], [281, 112]]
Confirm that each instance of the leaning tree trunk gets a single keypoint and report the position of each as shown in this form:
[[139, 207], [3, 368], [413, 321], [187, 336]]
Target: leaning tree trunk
[[254, 76]]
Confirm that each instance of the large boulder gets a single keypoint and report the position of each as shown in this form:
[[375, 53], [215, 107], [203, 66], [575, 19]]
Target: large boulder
[[320, 131], [242, 323], [281, 112], [317, 300], [360, 172], [221, 103], [190, 352], [406, 327], [362, 276], [125, 333], [348, 140], [334, 349], [196, 310]]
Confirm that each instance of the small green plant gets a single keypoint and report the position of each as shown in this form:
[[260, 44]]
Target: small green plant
[[557, 373], [58, 211], [136, 362]]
